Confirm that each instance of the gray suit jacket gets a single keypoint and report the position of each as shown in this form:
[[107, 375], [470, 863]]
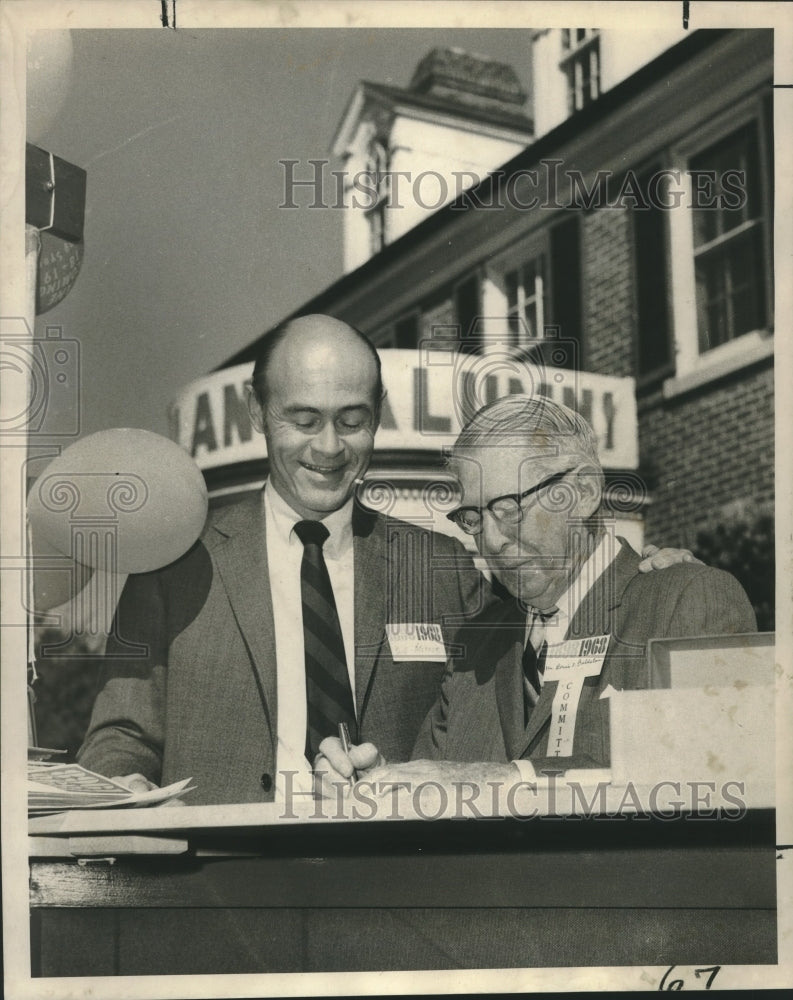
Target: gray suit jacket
[[479, 715], [188, 684]]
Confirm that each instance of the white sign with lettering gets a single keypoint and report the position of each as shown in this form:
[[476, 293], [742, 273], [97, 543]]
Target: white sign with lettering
[[431, 393]]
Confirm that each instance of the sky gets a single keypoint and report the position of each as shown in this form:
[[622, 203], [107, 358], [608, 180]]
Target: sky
[[188, 257]]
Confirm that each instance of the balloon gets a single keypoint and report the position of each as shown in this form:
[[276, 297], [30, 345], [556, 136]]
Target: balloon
[[122, 500], [56, 578], [49, 65]]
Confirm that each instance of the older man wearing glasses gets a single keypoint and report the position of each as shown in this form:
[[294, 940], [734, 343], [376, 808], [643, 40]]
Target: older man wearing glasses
[[578, 619]]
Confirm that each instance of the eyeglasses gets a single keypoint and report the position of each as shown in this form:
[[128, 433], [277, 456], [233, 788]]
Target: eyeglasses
[[507, 509]]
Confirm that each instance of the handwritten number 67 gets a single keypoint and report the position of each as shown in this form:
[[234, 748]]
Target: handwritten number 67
[[680, 984]]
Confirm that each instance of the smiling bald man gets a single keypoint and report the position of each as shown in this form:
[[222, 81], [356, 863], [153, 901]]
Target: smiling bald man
[[221, 692]]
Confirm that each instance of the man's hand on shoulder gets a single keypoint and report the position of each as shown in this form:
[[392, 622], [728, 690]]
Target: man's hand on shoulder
[[654, 558]]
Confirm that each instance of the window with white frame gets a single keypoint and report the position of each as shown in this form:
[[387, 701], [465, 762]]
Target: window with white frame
[[525, 289], [534, 288], [729, 238], [581, 65], [720, 244]]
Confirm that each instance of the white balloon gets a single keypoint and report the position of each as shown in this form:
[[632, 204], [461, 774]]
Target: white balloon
[[56, 578], [122, 500]]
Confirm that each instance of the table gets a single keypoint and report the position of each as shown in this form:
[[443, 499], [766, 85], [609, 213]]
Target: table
[[356, 896]]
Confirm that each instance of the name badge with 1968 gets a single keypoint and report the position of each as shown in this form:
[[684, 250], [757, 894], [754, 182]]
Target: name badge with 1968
[[416, 641]]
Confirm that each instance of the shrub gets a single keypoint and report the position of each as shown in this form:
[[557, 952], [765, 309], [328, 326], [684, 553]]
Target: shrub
[[743, 544]]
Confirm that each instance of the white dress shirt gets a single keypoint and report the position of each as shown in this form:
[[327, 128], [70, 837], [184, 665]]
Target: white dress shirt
[[284, 557], [603, 555]]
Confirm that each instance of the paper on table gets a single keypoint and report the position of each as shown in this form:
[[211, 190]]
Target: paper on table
[[53, 787]]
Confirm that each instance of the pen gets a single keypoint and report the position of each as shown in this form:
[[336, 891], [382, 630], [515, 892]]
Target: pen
[[344, 736]]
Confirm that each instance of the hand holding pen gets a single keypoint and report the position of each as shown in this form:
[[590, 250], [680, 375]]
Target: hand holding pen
[[344, 738], [341, 762]]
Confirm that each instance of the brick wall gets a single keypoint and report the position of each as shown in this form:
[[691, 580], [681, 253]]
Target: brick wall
[[705, 450], [609, 313], [698, 452]]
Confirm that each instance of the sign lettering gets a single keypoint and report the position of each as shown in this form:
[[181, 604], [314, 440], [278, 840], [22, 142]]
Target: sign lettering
[[430, 395]]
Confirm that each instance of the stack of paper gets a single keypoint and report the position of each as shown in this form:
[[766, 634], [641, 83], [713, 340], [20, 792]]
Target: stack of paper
[[53, 786]]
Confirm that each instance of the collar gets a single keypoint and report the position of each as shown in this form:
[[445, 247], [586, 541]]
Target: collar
[[604, 553], [283, 519]]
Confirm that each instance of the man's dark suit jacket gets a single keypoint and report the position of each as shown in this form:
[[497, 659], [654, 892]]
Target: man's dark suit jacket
[[479, 715], [199, 698]]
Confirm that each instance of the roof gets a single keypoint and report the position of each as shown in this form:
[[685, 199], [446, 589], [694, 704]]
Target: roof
[[473, 107], [586, 119], [444, 69]]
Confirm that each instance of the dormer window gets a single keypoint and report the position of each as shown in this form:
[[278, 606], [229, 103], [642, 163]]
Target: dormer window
[[379, 182], [377, 167], [581, 65], [461, 116]]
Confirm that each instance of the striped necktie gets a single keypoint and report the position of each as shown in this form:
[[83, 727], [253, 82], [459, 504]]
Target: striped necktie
[[534, 658], [328, 690]]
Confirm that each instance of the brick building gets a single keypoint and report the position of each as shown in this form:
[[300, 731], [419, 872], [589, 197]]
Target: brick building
[[621, 260]]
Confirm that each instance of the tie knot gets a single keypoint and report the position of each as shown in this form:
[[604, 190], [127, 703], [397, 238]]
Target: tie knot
[[311, 532], [537, 626]]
